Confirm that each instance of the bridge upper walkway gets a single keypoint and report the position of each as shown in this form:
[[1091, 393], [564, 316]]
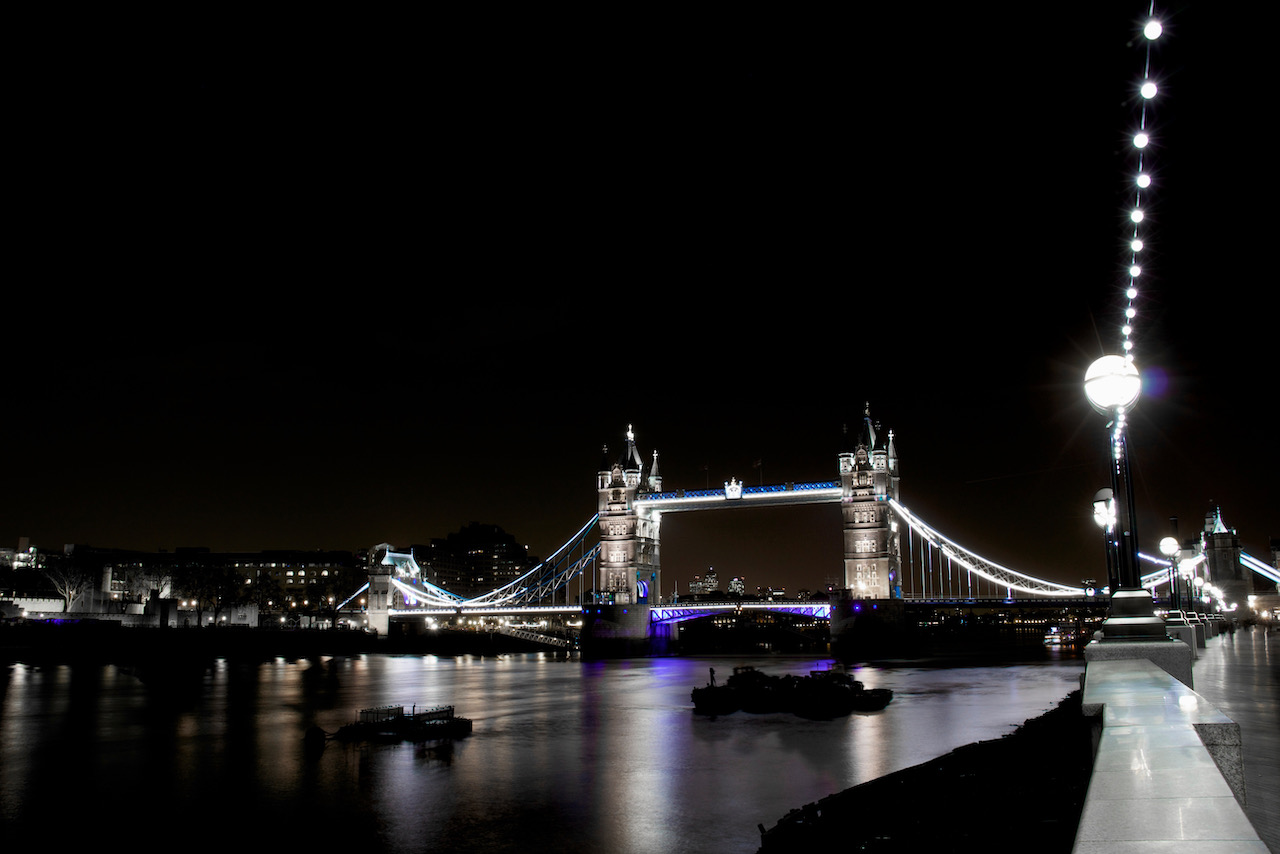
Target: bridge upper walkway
[[776, 495]]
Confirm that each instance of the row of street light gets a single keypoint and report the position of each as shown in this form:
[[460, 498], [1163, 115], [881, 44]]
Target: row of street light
[[1113, 386]]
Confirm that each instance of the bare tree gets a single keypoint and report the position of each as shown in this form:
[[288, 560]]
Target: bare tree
[[70, 580], [157, 577], [212, 588]]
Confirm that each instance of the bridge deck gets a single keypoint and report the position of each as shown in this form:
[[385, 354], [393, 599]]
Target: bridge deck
[[1165, 768]]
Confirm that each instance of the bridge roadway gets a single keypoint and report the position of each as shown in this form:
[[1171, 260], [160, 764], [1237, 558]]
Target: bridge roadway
[[678, 611]]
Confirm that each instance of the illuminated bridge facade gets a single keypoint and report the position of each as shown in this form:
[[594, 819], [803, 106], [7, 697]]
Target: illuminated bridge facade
[[608, 573]]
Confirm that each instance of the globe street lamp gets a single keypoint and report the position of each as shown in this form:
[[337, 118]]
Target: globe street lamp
[[1113, 385]]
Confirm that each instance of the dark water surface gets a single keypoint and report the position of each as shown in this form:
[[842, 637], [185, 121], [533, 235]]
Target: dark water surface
[[566, 756]]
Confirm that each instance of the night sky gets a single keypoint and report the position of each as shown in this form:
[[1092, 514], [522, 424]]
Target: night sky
[[330, 283]]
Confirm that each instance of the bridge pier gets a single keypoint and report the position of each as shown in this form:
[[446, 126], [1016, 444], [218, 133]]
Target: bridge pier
[[867, 628], [615, 631]]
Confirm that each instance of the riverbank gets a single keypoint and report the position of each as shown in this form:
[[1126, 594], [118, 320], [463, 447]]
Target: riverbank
[[108, 642], [1022, 792]]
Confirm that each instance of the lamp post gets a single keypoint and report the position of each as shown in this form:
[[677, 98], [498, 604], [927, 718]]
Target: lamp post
[[1113, 385], [1172, 549], [1184, 586], [1104, 513]]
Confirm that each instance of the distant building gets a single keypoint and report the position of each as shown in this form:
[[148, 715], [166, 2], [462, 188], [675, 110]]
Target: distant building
[[708, 583], [125, 582], [474, 560], [737, 585]]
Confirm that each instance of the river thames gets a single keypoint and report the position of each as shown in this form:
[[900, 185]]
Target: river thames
[[565, 756]]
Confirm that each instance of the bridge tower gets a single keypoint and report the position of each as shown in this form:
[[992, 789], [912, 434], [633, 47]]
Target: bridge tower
[[379, 597], [629, 562], [869, 477], [629, 577], [867, 615], [1222, 553]]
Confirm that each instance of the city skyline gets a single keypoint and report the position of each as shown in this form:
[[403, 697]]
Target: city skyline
[[343, 300]]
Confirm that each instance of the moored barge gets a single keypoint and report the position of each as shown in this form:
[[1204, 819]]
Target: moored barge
[[393, 723]]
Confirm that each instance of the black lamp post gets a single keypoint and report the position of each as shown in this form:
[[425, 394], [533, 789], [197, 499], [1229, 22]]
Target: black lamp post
[[1112, 385], [1104, 513], [1171, 548]]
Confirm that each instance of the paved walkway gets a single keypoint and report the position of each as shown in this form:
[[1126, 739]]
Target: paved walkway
[[1240, 674]]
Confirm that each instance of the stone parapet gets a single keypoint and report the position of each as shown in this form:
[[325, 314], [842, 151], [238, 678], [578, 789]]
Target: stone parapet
[[1167, 769], [1172, 656]]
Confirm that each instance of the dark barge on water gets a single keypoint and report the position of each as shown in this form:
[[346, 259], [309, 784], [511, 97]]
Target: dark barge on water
[[393, 723], [821, 695]]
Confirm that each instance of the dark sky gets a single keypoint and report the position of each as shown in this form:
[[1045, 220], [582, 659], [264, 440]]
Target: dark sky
[[328, 283]]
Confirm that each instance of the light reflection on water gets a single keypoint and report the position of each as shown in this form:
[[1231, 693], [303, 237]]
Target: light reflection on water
[[565, 756]]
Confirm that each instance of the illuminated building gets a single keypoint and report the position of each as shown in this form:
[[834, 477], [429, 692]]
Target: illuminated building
[[709, 583], [474, 560], [869, 480]]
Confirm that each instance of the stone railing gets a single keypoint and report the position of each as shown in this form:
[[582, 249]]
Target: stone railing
[[1167, 765]]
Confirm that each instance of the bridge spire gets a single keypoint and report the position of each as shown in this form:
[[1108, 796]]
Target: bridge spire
[[868, 437], [632, 457]]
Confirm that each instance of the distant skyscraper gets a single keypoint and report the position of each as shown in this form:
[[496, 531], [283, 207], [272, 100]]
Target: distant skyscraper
[[708, 583]]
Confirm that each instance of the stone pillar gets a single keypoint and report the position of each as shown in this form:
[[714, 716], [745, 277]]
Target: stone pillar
[[378, 609]]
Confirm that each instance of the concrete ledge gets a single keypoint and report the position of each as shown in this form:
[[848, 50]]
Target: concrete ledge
[[1173, 656], [1186, 634], [1167, 768]]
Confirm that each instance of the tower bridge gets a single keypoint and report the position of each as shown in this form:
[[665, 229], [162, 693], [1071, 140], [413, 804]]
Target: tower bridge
[[609, 573]]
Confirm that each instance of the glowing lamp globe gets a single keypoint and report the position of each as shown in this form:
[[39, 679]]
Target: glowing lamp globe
[[1112, 383], [1104, 509]]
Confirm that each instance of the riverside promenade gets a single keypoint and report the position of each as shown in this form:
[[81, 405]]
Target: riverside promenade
[[1240, 674], [1155, 783]]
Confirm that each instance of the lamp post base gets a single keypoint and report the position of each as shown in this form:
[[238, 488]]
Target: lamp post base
[[1133, 618]]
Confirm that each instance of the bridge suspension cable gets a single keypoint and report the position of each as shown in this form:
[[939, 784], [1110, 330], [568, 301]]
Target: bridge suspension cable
[[979, 565], [1265, 570], [1161, 576], [1153, 580], [536, 585]]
